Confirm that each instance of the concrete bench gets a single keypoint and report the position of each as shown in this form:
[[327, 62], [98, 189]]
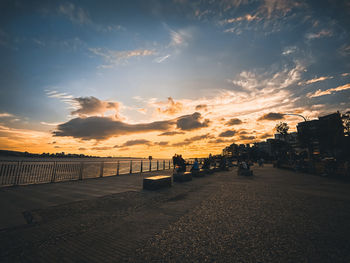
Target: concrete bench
[[182, 177], [199, 173], [156, 182]]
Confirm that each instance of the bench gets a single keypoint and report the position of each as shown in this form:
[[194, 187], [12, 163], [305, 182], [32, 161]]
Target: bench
[[199, 173], [156, 182], [182, 177]]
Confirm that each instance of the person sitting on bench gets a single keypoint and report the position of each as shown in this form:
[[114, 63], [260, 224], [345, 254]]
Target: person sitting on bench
[[195, 167]]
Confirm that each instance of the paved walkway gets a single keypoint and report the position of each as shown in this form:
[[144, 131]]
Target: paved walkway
[[275, 216], [16, 200]]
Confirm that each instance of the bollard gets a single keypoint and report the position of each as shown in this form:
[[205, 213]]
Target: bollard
[[163, 164], [141, 166], [157, 165], [169, 164], [118, 168], [150, 165], [130, 167], [101, 169]]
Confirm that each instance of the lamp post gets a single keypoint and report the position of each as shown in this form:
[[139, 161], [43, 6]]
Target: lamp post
[[294, 114]]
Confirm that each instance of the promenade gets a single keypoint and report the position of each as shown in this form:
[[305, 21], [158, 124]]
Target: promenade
[[275, 216]]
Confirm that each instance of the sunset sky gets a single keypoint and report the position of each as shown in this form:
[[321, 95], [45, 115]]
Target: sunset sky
[[140, 78]]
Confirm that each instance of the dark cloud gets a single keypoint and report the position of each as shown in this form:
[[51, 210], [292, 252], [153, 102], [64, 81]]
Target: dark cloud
[[101, 148], [90, 106], [191, 122], [133, 143], [265, 135], [188, 141], [170, 133], [219, 140], [57, 147], [243, 132], [163, 143], [203, 107], [272, 116], [243, 137], [199, 137], [233, 121], [102, 128], [179, 144], [82, 149], [137, 142], [228, 133]]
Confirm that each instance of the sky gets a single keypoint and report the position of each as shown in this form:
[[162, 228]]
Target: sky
[[140, 78]]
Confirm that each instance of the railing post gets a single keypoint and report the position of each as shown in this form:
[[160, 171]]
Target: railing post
[[81, 170], [141, 166], [150, 165], [101, 169], [19, 165], [163, 164], [130, 167], [169, 164], [118, 168], [157, 165], [53, 175]]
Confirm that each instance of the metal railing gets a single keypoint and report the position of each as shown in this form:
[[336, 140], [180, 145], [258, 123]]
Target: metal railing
[[36, 172]]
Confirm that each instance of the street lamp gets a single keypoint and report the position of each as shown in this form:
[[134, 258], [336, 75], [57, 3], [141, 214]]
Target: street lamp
[[294, 114]]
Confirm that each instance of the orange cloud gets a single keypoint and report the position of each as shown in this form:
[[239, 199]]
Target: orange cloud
[[319, 92]]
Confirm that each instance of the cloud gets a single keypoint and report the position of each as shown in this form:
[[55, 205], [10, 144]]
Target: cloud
[[162, 59], [180, 38], [6, 115], [102, 128], [113, 57], [170, 107], [233, 121], [75, 14], [319, 92], [247, 17], [255, 84], [310, 81], [101, 148], [59, 95], [170, 133], [322, 33], [193, 139], [272, 8], [191, 122], [49, 123], [344, 50], [203, 107], [91, 106], [134, 142], [219, 140], [245, 138], [265, 135], [163, 143], [272, 116], [180, 144], [289, 50], [228, 133]]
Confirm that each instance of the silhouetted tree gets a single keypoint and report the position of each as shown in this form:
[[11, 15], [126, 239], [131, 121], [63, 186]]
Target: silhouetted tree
[[346, 123], [282, 128]]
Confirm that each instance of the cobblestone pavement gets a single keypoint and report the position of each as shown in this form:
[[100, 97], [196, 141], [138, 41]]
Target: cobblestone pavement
[[275, 216]]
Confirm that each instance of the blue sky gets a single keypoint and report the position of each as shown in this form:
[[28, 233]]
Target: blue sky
[[139, 62]]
